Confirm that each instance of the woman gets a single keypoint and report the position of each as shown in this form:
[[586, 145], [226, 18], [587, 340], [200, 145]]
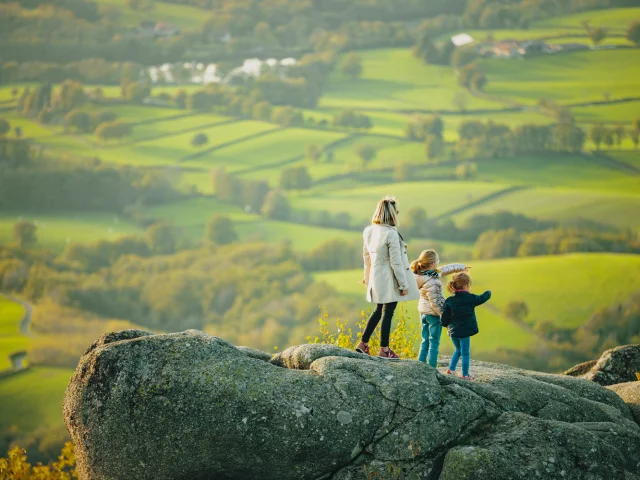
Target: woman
[[386, 274]]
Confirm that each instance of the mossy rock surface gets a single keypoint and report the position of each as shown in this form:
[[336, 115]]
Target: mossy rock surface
[[191, 406]]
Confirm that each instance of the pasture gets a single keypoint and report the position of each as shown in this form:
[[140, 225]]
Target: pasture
[[183, 16], [496, 331], [560, 204], [11, 339], [567, 78], [393, 79], [565, 290], [55, 231], [34, 398]]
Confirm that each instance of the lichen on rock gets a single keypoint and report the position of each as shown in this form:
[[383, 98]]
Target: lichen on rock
[[191, 406]]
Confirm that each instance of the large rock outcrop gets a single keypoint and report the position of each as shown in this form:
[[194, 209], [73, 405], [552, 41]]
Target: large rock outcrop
[[630, 393], [194, 407], [616, 365]]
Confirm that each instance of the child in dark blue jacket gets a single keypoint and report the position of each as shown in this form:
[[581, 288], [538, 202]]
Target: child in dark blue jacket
[[459, 316]]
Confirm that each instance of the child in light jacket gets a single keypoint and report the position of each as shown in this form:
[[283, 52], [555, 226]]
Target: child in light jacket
[[427, 274]]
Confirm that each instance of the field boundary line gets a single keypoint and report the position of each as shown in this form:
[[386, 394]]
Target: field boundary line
[[297, 158], [606, 161], [161, 119], [230, 143], [480, 201], [172, 134]]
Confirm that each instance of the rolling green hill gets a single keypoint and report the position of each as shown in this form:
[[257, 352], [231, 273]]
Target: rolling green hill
[[11, 339], [565, 290]]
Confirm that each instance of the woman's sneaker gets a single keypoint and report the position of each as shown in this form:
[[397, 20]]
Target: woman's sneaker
[[362, 348], [452, 372], [390, 354], [468, 377]]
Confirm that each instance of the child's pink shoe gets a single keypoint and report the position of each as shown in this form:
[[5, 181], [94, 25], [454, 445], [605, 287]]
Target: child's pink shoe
[[450, 372], [469, 377], [362, 348], [390, 354]]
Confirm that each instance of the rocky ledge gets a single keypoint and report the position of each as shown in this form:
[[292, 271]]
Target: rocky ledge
[[191, 406]]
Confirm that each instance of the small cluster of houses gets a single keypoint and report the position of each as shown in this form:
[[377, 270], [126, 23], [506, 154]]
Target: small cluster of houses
[[152, 29], [516, 48]]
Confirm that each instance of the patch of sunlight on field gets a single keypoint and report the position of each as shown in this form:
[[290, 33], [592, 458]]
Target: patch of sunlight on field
[[563, 289], [495, 331], [567, 78], [435, 197], [394, 79], [33, 399], [564, 204], [56, 230]]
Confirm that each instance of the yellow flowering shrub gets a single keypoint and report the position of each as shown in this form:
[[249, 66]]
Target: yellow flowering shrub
[[16, 466], [404, 339]]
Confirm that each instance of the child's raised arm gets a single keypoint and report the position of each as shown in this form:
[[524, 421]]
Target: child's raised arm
[[480, 299], [452, 268]]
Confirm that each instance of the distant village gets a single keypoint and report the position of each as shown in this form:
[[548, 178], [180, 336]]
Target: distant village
[[516, 48]]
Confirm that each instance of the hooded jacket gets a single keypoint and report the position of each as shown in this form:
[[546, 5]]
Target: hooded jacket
[[431, 297]]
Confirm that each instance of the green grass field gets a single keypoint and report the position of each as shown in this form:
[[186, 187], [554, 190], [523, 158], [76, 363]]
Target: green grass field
[[394, 79], [192, 215], [560, 204], [565, 290], [11, 339], [566, 78], [615, 19], [183, 16], [496, 331], [33, 399], [558, 171], [435, 197], [56, 230]]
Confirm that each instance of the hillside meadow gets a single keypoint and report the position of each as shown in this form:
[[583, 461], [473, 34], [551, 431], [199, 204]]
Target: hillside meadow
[[565, 290], [11, 339]]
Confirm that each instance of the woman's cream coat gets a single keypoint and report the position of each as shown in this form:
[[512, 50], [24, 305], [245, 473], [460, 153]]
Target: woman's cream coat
[[386, 266]]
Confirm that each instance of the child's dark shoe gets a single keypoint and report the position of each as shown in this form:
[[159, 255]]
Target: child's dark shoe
[[390, 354], [362, 348], [452, 372]]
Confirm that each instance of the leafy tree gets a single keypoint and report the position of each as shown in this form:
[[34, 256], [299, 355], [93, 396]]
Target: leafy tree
[[24, 233], [276, 206], [262, 111], [464, 56], [79, 120], [295, 178], [220, 231], [109, 130], [162, 238], [597, 35], [608, 138], [634, 134], [366, 153], [5, 127], [135, 92], [633, 34], [199, 139], [597, 134], [71, 96], [466, 170], [181, 99], [313, 152], [402, 171], [516, 310], [352, 66], [434, 148], [620, 133]]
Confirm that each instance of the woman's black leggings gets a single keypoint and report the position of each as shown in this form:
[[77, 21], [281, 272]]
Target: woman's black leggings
[[384, 311]]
